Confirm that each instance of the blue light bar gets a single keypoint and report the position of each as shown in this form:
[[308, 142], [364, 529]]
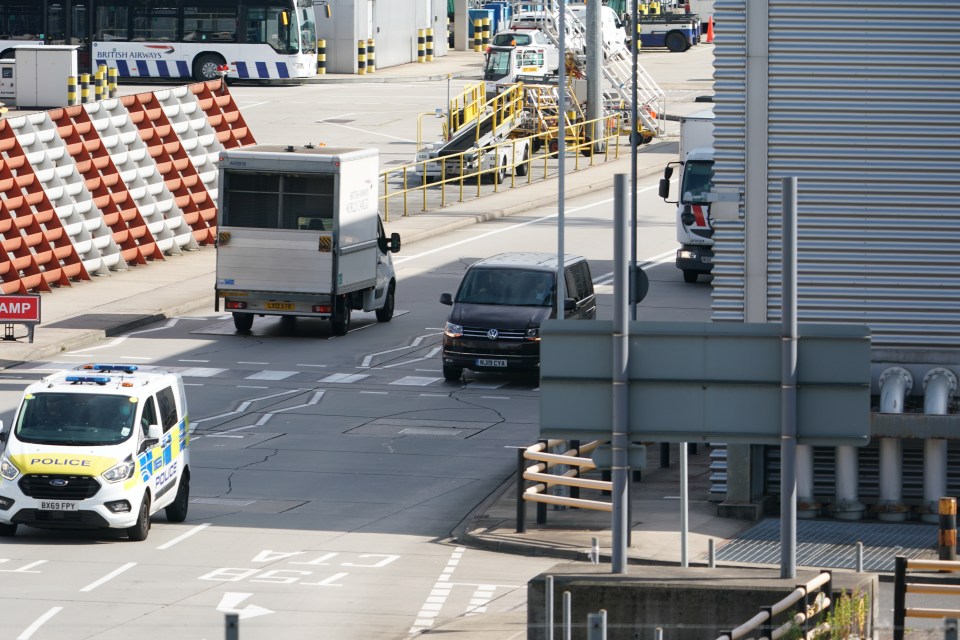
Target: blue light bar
[[97, 379], [125, 368]]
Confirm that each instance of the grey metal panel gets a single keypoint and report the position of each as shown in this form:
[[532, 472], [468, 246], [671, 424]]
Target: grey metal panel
[[862, 109]]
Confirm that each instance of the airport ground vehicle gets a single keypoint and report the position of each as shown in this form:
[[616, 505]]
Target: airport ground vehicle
[[258, 39], [694, 226], [676, 32], [299, 234], [505, 63], [494, 324], [101, 446]]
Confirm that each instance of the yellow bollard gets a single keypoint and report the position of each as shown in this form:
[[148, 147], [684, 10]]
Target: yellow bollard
[[71, 91], [429, 44], [361, 57], [477, 35], [321, 57], [371, 56], [84, 88], [99, 82], [112, 81], [486, 31], [421, 45]]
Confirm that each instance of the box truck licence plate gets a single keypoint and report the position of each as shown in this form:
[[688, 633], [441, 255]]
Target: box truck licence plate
[[57, 505], [279, 306], [487, 362]]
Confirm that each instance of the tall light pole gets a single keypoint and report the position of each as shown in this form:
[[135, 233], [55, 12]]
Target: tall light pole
[[634, 143], [561, 153]]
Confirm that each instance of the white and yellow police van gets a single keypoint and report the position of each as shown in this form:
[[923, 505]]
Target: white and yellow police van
[[103, 445]]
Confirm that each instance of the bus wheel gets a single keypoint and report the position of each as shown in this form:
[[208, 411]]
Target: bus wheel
[[676, 42], [205, 67]]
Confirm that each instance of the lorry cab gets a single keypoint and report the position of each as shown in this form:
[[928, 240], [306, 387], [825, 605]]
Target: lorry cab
[[101, 446], [504, 64]]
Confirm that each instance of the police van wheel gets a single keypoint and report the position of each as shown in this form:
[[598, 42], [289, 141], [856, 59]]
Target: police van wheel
[[243, 321], [690, 276], [340, 320], [452, 374], [177, 510], [8, 530], [385, 313], [139, 531]]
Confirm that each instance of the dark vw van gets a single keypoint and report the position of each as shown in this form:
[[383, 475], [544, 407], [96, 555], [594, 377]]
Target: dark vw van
[[495, 321]]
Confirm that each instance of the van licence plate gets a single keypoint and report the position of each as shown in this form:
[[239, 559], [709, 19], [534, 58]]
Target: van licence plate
[[488, 362], [57, 505], [278, 306]]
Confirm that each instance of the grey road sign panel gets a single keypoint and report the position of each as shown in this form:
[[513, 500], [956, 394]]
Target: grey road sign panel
[[691, 382]]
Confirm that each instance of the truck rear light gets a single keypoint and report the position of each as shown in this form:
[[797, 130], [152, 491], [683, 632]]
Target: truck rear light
[[321, 308], [235, 304]]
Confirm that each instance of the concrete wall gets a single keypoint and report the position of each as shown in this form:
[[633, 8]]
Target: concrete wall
[[394, 26], [695, 603]]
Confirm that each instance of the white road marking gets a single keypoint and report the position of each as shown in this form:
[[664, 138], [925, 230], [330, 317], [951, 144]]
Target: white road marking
[[429, 355], [110, 576], [182, 360], [438, 595], [344, 378], [243, 405], [200, 372], [29, 631], [311, 365], [246, 362], [376, 393], [495, 397], [313, 400], [231, 600], [250, 386], [416, 381], [416, 342], [271, 375], [184, 536]]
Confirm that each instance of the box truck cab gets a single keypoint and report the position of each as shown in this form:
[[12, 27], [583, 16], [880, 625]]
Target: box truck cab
[[101, 446]]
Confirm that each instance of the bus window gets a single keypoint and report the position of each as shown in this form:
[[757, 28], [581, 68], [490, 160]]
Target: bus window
[[210, 22], [308, 31], [110, 21], [154, 23], [21, 20], [271, 25]]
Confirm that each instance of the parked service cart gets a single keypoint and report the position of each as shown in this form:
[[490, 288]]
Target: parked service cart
[[299, 235]]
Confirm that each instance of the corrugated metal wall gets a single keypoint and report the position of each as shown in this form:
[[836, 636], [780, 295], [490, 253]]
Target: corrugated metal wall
[[864, 108]]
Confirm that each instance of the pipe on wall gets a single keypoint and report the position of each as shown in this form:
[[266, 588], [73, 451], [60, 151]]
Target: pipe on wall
[[939, 385], [807, 506], [895, 385], [847, 505]]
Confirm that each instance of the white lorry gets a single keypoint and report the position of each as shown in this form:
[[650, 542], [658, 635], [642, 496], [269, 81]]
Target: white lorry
[[299, 234], [694, 224]]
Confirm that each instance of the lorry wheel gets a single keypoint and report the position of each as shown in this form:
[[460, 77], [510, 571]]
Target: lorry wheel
[[452, 374], [522, 168], [385, 313], [340, 320], [676, 42], [243, 322], [177, 510], [553, 146], [8, 530], [690, 276], [139, 531]]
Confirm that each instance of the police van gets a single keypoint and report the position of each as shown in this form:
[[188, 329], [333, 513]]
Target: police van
[[100, 446]]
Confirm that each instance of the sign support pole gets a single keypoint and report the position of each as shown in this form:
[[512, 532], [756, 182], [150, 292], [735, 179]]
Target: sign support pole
[[788, 389], [621, 378]]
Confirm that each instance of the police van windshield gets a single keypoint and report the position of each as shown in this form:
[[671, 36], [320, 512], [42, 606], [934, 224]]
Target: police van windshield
[[514, 287], [75, 419]]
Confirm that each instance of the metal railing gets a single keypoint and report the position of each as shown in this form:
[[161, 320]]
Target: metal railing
[[810, 603], [409, 185], [905, 582]]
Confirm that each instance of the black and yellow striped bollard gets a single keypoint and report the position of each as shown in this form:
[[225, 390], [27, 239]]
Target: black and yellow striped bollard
[[486, 31], [100, 82], [371, 56], [429, 44], [947, 535], [112, 82], [84, 88], [477, 35], [321, 57], [71, 91], [362, 57], [421, 45]]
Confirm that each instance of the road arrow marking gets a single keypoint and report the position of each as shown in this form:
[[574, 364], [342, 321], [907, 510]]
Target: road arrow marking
[[231, 600]]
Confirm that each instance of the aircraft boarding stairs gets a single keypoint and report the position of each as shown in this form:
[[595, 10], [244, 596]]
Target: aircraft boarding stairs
[[617, 67]]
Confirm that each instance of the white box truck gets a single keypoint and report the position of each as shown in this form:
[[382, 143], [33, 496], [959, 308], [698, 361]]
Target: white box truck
[[299, 234], [694, 223]]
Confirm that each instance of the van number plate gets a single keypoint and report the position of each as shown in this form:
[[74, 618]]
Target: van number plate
[[57, 505], [279, 306], [487, 362]]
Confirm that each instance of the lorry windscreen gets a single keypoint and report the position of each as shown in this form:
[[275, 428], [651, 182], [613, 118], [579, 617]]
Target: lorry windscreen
[[76, 419], [697, 181]]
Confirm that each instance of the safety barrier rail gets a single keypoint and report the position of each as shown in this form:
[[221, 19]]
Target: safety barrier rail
[[905, 582], [574, 461], [471, 167], [810, 603]]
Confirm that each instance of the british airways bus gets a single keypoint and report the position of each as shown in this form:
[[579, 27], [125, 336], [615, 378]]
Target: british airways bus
[[255, 39]]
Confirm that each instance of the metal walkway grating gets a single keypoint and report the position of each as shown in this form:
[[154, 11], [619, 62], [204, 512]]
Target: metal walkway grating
[[833, 544]]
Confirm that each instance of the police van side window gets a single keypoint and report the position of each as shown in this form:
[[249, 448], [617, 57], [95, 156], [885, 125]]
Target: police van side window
[[149, 415], [168, 408]]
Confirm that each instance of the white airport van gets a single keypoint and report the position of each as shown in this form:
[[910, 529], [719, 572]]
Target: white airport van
[[100, 446]]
